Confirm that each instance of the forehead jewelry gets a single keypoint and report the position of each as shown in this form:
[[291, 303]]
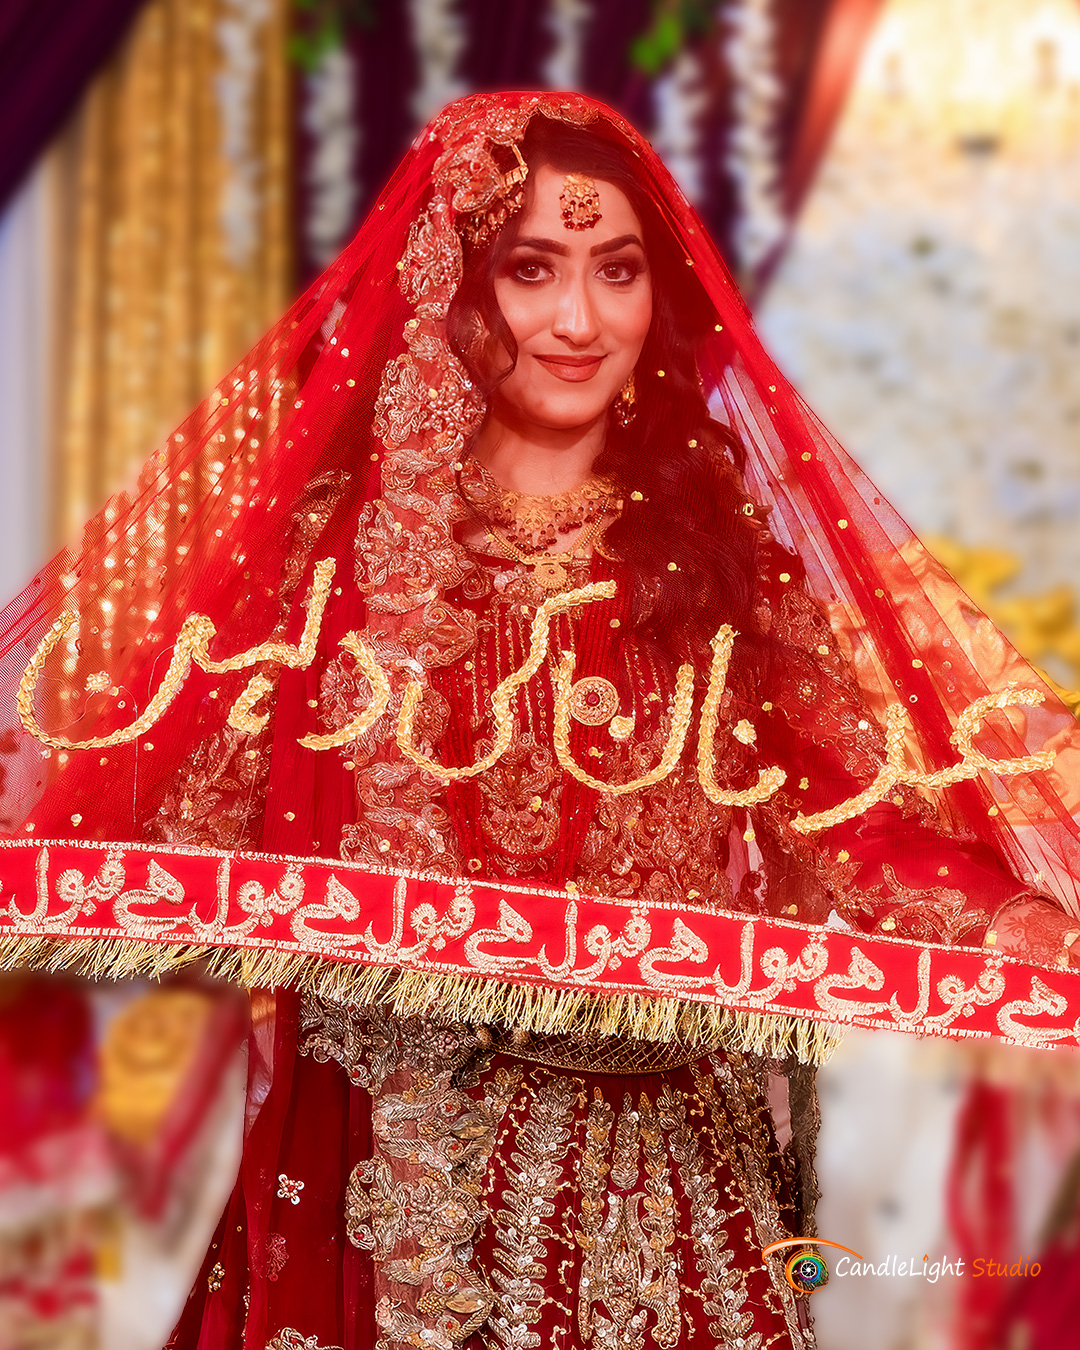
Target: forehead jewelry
[[580, 202]]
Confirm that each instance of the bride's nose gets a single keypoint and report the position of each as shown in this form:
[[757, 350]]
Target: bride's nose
[[575, 315]]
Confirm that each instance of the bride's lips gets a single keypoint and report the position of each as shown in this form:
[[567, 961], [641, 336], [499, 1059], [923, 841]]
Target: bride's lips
[[571, 368]]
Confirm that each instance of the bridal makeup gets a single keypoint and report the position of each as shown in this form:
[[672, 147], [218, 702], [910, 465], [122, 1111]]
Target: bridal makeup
[[578, 301]]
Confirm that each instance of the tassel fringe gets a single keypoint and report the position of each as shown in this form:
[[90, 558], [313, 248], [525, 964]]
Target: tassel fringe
[[463, 998]]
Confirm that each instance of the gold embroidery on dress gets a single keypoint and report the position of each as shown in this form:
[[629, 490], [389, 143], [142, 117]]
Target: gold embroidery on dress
[[668, 843], [723, 1288], [371, 1044], [681, 711], [741, 1081], [523, 797], [629, 1266], [192, 645], [218, 799], [415, 1204], [504, 692], [288, 1338], [661, 1291], [522, 1232], [935, 914]]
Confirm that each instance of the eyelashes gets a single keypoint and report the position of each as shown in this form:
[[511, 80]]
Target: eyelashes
[[517, 270], [632, 268], [617, 272]]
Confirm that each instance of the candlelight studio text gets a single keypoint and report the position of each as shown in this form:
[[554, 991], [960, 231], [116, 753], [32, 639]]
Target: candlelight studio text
[[892, 1267]]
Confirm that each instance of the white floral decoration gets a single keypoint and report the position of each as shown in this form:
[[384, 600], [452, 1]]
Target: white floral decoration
[[238, 42], [752, 151], [330, 118], [566, 22], [679, 99], [288, 1189], [438, 31]]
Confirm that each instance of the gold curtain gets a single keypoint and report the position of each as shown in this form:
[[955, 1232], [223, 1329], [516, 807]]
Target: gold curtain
[[174, 250]]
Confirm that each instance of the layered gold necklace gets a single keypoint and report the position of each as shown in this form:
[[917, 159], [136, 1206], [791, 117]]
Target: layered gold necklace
[[527, 527]]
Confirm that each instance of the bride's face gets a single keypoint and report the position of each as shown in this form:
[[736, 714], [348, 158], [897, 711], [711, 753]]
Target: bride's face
[[578, 303]]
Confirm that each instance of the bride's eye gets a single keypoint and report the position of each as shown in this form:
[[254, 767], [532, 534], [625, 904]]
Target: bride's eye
[[529, 270], [621, 271]]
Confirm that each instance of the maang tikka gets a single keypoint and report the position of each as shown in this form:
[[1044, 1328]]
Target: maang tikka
[[580, 202]]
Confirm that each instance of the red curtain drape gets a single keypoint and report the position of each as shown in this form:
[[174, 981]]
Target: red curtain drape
[[49, 52]]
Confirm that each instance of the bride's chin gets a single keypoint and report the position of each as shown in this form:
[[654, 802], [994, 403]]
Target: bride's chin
[[561, 414]]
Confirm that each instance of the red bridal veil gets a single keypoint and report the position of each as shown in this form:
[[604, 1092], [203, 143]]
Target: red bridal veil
[[183, 696]]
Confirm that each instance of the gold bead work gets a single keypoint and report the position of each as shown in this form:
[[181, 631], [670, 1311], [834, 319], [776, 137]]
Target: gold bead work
[[192, 646], [769, 780], [682, 710], [380, 699], [504, 692]]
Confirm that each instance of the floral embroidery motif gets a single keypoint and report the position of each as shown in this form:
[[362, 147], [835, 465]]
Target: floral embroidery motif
[[522, 1231], [289, 1190], [275, 1256], [629, 1267], [522, 796], [217, 800], [937, 914], [724, 1290], [430, 267], [498, 1195], [290, 1339], [372, 1046], [416, 1203]]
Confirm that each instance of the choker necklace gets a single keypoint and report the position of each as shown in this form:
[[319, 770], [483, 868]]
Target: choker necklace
[[534, 523], [512, 519], [549, 569]]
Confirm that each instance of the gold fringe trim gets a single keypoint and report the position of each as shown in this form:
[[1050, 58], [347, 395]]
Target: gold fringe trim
[[463, 998]]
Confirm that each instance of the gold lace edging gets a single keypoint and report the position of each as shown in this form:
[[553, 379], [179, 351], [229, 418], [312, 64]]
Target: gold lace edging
[[451, 997]]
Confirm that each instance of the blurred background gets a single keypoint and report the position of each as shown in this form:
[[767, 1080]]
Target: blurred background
[[896, 185]]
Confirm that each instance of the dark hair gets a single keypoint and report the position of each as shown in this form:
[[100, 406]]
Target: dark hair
[[685, 465]]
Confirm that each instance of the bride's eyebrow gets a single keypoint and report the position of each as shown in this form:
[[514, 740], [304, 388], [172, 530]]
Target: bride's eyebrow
[[543, 246], [613, 245], [553, 246]]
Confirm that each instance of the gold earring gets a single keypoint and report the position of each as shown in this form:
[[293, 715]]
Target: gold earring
[[624, 404]]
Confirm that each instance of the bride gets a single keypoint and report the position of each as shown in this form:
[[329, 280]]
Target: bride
[[582, 598]]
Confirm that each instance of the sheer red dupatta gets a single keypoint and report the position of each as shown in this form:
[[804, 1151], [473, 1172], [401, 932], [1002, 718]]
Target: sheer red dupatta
[[227, 578]]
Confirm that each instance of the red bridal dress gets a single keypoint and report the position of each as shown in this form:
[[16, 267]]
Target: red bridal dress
[[289, 657]]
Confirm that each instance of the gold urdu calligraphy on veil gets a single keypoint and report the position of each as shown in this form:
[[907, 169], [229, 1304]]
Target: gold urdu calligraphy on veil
[[192, 647]]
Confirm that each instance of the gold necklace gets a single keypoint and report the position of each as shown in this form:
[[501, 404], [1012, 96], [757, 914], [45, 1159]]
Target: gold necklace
[[534, 522], [549, 569]]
